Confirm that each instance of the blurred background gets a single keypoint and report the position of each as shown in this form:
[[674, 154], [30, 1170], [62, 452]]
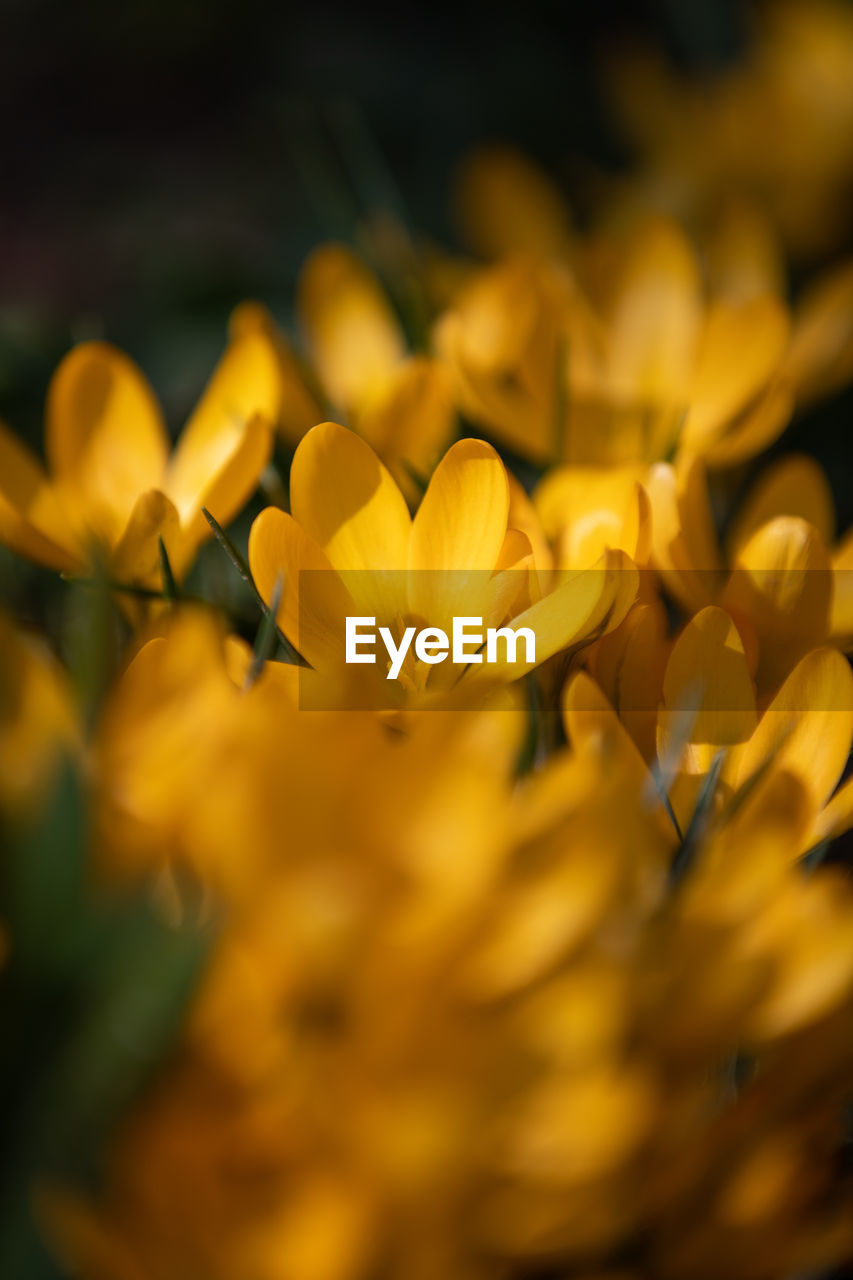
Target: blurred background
[[164, 158]]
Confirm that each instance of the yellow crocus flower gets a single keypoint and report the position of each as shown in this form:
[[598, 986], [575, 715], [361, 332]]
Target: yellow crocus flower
[[111, 487], [351, 548]]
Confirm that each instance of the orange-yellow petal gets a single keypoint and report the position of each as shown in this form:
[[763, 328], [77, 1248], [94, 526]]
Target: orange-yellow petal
[[458, 533], [655, 318], [740, 350], [793, 486], [244, 387], [32, 520], [104, 434], [349, 504], [353, 334], [807, 728], [783, 583], [314, 603]]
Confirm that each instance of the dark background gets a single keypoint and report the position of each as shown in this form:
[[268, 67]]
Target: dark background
[[164, 158]]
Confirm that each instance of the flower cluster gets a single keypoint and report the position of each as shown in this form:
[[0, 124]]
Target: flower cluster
[[542, 967]]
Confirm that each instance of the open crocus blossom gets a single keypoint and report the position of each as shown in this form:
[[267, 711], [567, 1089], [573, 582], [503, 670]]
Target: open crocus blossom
[[112, 489], [350, 548]]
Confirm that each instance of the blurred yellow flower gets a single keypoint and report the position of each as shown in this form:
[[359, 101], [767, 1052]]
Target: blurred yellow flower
[[399, 403], [112, 489]]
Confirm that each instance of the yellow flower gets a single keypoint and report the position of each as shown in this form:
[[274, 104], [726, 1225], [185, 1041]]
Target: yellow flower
[[400, 404], [623, 371], [111, 487], [350, 548], [788, 588]]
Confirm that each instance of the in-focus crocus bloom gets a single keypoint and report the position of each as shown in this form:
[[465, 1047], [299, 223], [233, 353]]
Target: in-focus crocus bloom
[[111, 488], [458, 557]]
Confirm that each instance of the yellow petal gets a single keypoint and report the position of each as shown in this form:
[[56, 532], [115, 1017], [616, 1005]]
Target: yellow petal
[[783, 583], [411, 421], [227, 490], [137, 555], [32, 521], [793, 486], [353, 334], [740, 350], [755, 431], [314, 603], [586, 509], [348, 503], [299, 409], [587, 603], [684, 541], [655, 319], [707, 683], [524, 517], [244, 386], [629, 664], [588, 714], [104, 434], [458, 533], [836, 817], [807, 728]]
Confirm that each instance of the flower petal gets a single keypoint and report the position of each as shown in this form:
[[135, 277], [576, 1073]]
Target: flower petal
[[807, 728], [586, 604], [104, 434], [756, 430], [655, 318], [244, 386], [299, 409], [793, 486], [348, 503], [458, 533], [354, 336], [32, 521], [137, 556], [741, 348], [227, 490], [783, 583], [314, 603]]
